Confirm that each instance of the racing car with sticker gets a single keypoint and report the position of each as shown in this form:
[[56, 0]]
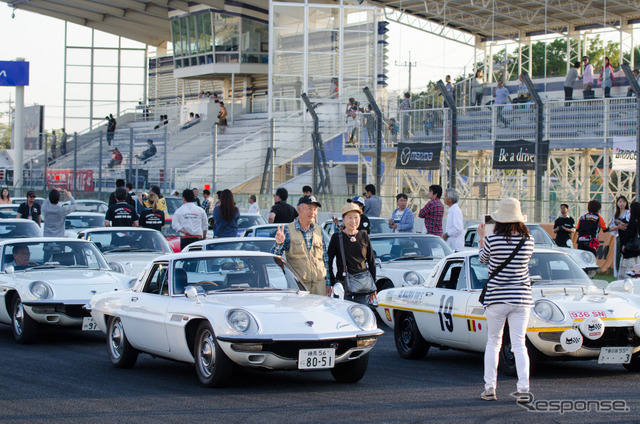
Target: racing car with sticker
[[572, 317]]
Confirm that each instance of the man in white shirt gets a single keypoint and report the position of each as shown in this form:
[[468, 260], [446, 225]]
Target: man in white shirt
[[587, 74], [254, 204], [190, 220], [454, 228]]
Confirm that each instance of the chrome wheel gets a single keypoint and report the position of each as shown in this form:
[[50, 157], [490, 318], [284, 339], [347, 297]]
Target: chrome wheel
[[24, 327], [207, 354], [116, 339], [213, 367], [121, 353], [18, 317]]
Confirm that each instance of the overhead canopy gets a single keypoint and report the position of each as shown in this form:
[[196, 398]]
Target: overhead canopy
[[139, 20], [495, 19]]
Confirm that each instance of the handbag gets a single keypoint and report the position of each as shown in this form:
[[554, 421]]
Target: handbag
[[500, 268], [359, 283], [594, 243]]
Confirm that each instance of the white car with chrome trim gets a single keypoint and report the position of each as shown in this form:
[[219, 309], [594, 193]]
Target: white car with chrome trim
[[406, 259], [572, 317], [51, 282], [223, 309]]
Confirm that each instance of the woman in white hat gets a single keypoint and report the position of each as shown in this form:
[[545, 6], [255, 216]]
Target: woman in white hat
[[508, 293], [356, 249]]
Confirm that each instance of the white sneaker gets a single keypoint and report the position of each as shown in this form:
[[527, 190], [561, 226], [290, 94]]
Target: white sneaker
[[489, 394]]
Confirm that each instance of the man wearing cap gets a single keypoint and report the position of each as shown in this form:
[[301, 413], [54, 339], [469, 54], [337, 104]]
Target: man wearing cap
[[30, 209], [305, 250]]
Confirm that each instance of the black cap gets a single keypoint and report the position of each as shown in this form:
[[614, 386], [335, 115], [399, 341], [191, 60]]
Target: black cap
[[31, 193], [309, 200]]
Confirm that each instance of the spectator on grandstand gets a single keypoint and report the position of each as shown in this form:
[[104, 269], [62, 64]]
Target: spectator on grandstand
[[501, 98], [151, 151], [523, 92], [449, 86], [405, 107], [636, 74], [570, 81], [606, 79], [477, 86], [111, 128], [222, 118], [116, 158], [393, 129], [370, 124], [587, 78], [164, 120]]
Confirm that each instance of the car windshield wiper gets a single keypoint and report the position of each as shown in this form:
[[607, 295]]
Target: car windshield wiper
[[412, 257], [126, 249]]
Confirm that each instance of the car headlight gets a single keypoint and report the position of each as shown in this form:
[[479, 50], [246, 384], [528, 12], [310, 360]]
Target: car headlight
[[363, 316], [41, 290], [412, 278], [548, 311], [242, 321], [588, 257], [117, 267], [132, 282]]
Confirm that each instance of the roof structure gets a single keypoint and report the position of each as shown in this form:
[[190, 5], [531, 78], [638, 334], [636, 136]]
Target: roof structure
[[517, 19]]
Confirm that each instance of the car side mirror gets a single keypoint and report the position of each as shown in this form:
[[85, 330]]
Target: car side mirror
[[10, 269], [378, 262], [191, 293]]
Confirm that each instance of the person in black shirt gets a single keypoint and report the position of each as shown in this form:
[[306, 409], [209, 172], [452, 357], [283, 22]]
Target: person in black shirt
[[358, 252], [282, 212], [564, 226], [30, 209], [112, 197], [121, 214], [152, 217]]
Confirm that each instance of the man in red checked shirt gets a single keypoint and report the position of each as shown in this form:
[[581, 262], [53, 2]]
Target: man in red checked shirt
[[433, 211]]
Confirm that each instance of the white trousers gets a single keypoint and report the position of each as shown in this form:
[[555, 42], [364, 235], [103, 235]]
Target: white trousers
[[518, 318]]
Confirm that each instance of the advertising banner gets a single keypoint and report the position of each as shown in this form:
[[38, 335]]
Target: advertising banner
[[624, 154], [63, 179], [418, 156], [518, 154]]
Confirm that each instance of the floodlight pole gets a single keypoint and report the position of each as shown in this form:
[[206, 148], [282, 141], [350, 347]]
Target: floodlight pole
[[448, 101], [635, 87], [538, 147]]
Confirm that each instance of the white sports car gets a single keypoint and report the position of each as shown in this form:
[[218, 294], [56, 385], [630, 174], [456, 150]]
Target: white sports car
[[128, 249], [572, 318], [223, 309], [49, 280], [406, 259]]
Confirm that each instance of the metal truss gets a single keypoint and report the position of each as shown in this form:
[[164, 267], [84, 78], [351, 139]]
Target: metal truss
[[421, 24]]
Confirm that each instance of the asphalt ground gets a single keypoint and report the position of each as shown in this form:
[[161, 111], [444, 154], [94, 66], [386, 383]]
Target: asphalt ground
[[67, 378]]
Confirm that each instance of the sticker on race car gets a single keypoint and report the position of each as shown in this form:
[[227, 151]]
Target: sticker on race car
[[473, 325], [387, 314], [587, 314]]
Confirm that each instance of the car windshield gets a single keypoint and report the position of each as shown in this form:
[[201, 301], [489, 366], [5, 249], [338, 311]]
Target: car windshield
[[83, 221], [246, 221], [540, 236], [22, 229], [168, 230], [96, 206], [250, 245], [265, 232], [234, 273], [9, 211], [173, 203], [42, 255], [130, 241], [409, 248], [377, 226], [545, 269]]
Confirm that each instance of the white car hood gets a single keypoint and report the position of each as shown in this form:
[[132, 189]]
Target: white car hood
[[299, 313], [78, 284], [133, 262], [613, 305]]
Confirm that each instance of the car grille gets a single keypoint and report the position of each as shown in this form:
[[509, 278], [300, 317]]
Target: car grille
[[289, 349], [74, 311], [614, 336]]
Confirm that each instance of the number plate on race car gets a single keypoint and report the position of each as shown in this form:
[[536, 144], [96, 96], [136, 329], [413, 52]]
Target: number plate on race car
[[88, 324], [316, 359], [615, 355]]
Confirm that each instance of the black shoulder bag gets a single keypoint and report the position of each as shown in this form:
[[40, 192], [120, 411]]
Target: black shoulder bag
[[500, 268]]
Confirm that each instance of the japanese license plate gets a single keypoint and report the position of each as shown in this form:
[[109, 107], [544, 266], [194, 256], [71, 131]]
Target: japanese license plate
[[88, 324], [316, 359], [615, 355]]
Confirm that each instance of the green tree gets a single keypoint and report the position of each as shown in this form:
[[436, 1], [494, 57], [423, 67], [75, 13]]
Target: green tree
[[5, 134]]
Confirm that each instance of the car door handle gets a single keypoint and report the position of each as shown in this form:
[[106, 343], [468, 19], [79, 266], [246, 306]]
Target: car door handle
[[134, 299], [428, 293]]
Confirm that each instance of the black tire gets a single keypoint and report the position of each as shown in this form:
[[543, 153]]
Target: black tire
[[351, 371], [213, 366], [384, 284], [634, 365], [121, 353], [507, 362], [409, 342], [23, 326]]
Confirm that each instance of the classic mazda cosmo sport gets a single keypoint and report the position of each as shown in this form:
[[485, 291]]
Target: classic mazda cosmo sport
[[572, 317], [223, 309], [49, 280]]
